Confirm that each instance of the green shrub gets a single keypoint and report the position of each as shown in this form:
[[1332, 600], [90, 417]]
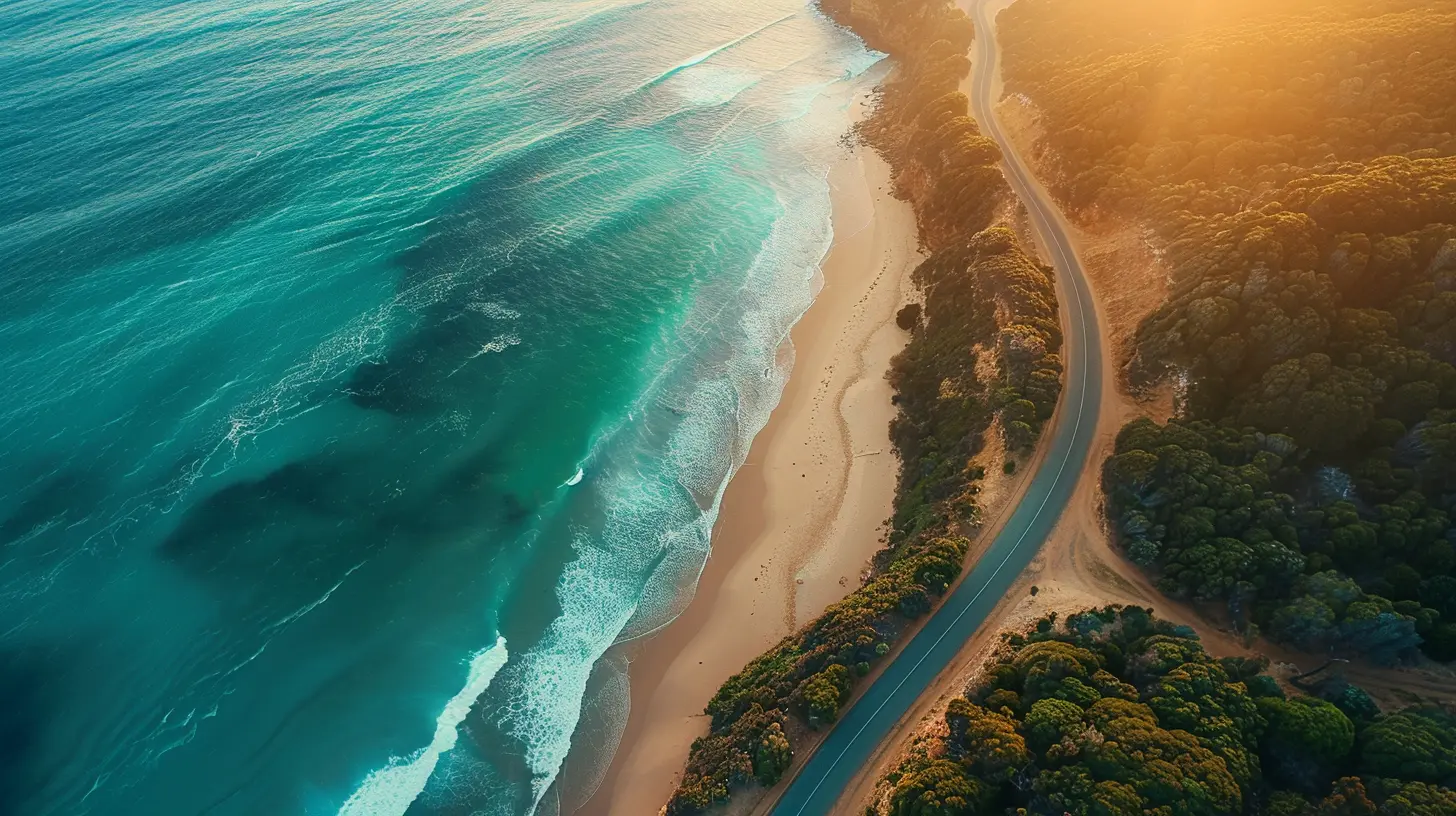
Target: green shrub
[[942, 789], [1176, 732], [977, 282]]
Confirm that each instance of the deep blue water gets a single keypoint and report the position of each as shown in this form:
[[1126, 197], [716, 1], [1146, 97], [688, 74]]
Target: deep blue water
[[369, 367]]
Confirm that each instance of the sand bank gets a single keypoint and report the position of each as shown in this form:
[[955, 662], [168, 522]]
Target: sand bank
[[802, 518]]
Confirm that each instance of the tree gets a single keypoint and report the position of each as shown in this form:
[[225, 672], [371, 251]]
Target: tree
[[1050, 721], [1418, 745], [1347, 799], [1286, 803], [1419, 799], [1166, 768], [1043, 665], [993, 748], [1195, 747], [1306, 622], [1384, 636], [822, 694], [1439, 593], [942, 789], [1324, 406], [772, 756], [1297, 191], [1074, 790], [1307, 738], [1110, 708]]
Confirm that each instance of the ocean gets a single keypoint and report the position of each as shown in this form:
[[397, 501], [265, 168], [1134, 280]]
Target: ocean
[[369, 368]]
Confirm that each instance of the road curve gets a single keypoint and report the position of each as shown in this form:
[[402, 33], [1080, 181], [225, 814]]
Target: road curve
[[817, 786]]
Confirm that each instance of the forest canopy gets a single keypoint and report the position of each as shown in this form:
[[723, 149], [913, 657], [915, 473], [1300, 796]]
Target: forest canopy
[[1296, 164], [1114, 712]]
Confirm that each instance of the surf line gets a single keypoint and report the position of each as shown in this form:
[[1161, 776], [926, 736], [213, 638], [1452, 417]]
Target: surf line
[[710, 53], [389, 791]]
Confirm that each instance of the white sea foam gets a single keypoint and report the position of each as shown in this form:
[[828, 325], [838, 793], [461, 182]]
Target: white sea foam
[[498, 345], [549, 705], [659, 497], [712, 52], [490, 308], [727, 412], [638, 572], [390, 790], [710, 85], [603, 721]]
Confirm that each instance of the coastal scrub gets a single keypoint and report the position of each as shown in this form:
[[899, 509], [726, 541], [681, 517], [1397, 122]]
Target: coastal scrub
[[1114, 712], [985, 300]]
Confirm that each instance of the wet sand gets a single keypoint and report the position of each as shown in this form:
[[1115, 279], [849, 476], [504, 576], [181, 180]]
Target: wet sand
[[802, 517]]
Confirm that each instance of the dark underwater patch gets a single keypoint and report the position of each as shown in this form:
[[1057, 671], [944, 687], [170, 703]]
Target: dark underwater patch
[[202, 209], [480, 249], [415, 376], [326, 513], [25, 679], [251, 524], [65, 495]]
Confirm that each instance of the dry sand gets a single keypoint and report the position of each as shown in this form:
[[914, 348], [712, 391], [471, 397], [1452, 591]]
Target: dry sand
[[802, 518]]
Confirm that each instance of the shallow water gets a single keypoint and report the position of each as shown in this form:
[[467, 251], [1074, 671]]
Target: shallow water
[[369, 368]]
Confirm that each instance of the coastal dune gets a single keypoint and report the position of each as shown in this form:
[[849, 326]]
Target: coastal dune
[[803, 516]]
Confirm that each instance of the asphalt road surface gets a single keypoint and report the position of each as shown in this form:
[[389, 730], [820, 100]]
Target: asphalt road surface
[[815, 789]]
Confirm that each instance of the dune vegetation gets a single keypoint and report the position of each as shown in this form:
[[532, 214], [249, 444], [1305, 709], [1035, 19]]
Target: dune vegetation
[[945, 411], [985, 300]]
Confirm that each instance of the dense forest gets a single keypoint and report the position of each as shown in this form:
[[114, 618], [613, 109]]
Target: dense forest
[[1114, 712], [1296, 162], [984, 298]]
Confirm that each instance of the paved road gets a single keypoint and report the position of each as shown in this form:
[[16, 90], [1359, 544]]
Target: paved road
[[816, 788]]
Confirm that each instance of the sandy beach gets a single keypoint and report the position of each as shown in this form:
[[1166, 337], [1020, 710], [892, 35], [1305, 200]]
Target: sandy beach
[[803, 516]]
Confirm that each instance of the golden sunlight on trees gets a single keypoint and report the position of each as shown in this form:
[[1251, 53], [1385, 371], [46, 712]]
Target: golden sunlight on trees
[[1296, 161], [1113, 712]]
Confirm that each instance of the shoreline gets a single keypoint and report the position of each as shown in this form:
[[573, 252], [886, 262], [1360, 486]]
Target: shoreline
[[802, 517]]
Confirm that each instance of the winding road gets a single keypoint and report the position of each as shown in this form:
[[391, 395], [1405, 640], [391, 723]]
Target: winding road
[[818, 785]]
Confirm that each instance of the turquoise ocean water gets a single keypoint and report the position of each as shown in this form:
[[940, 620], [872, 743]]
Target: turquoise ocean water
[[369, 367]]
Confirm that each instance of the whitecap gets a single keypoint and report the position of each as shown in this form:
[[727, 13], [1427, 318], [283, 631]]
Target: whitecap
[[708, 85], [712, 52], [393, 788]]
